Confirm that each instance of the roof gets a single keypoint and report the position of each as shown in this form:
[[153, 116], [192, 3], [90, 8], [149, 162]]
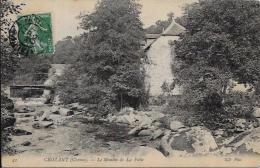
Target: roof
[[152, 36], [174, 29]]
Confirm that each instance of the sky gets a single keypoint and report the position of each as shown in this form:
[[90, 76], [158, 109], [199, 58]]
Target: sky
[[64, 12]]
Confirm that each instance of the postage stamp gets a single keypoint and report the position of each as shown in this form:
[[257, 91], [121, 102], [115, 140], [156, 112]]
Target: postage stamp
[[34, 34]]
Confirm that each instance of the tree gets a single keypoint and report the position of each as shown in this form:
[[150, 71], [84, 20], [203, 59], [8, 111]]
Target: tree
[[64, 51], [9, 59], [110, 72], [9, 56], [221, 43]]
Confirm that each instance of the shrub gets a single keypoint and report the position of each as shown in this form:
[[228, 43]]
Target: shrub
[[240, 104]]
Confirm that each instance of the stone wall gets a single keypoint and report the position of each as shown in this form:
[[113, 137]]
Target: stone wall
[[160, 68]]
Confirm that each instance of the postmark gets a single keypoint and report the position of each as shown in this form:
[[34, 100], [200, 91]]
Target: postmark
[[32, 34]]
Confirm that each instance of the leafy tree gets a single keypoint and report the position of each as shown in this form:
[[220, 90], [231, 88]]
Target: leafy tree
[[221, 43], [9, 60], [64, 51], [9, 56], [109, 67]]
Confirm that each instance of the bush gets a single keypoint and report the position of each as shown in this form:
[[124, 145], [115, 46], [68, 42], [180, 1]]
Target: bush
[[214, 112], [239, 104]]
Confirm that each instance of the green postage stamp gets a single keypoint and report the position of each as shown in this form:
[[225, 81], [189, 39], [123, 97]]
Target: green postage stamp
[[35, 34]]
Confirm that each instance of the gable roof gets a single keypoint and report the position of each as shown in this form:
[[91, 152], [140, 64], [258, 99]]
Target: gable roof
[[174, 29]]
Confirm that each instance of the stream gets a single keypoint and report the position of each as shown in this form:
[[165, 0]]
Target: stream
[[76, 138]]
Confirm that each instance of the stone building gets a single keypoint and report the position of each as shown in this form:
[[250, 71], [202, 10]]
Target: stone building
[[161, 55]]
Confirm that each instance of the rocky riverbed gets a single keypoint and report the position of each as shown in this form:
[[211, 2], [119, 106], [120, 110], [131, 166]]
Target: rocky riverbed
[[40, 130], [44, 130]]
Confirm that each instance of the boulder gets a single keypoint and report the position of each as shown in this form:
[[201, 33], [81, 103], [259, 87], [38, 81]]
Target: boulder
[[26, 143], [204, 142], [154, 116], [42, 124], [156, 134], [247, 142], [20, 132], [197, 140], [176, 125], [146, 132]]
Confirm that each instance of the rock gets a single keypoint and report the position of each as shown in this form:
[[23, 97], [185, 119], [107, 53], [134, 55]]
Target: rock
[[134, 131], [157, 124], [42, 124], [6, 120], [127, 119], [204, 141], [145, 122], [126, 110], [26, 143], [225, 150], [39, 114], [242, 125], [23, 115], [65, 112], [156, 134], [20, 132], [76, 106], [23, 120], [25, 110], [146, 132], [247, 142], [55, 110], [219, 132], [154, 116], [198, 140], [256, 113], [176, 125]]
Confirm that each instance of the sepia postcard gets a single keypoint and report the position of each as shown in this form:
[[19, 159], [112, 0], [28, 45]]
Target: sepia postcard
[[130, 83]]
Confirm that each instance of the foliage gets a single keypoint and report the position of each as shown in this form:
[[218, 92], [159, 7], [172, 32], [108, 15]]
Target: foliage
[[240, 104], [221, 44], [65, 50], [9, 59], [9, 56], [108, 72], [32, 70]]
